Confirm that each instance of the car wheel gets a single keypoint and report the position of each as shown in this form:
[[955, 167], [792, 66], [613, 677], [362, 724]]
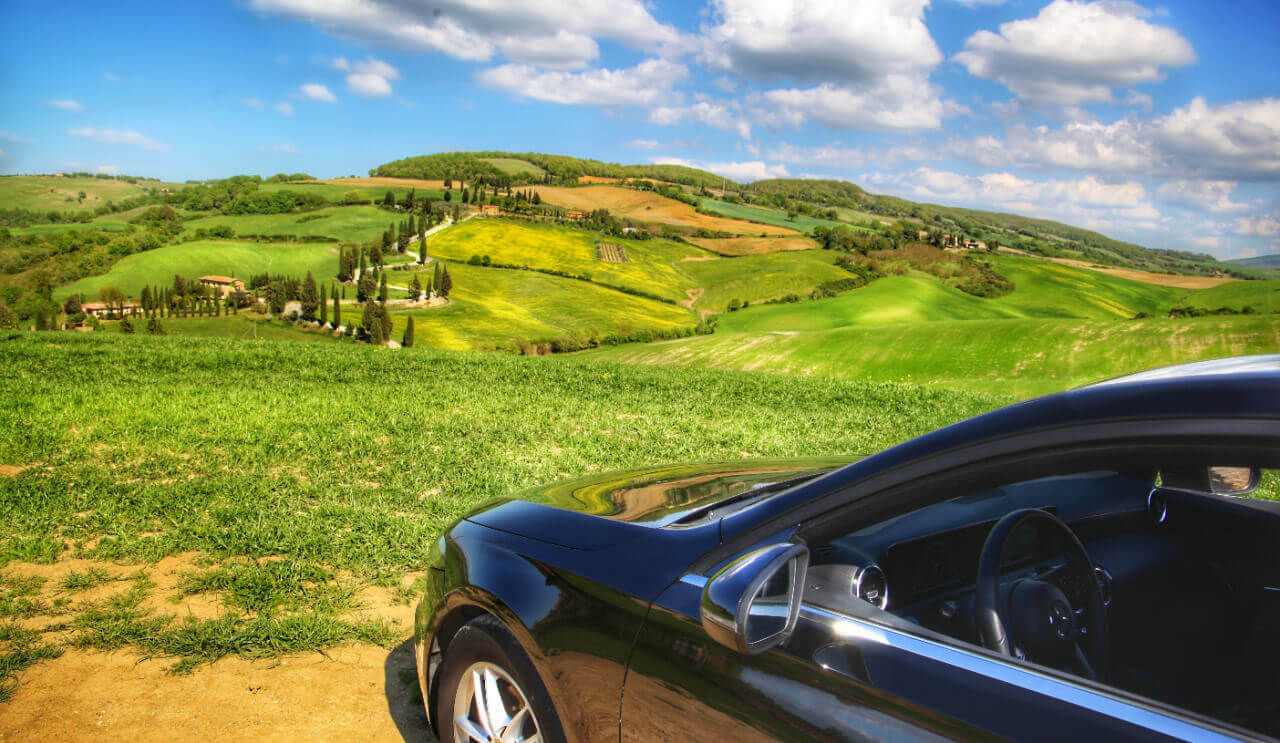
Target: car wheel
[[489, 690]]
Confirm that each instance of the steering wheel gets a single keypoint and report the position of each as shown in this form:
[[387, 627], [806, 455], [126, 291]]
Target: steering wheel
[[1043, 622]]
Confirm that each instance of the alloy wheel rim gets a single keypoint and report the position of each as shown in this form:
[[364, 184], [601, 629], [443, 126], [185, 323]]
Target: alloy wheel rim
[[490, 707]]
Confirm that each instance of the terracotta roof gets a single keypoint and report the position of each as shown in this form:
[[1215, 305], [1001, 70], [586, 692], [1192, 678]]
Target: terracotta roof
[[221, 279]]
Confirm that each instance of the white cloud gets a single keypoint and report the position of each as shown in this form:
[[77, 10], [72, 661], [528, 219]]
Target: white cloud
[[1075, 52], [1212, 195], [719, 115], [735, 171], [11, 137], [284, 107], [895, 102], [811, 41], [1139, 99], [1267, 225], [1251, 253], [1083, 200], [317, 92], [253, 103], [116, 136], [110, 77], [1233, 142], [284, 148], [565, 50], [643, 144], [66, 104], [645, 84], [1241, 137], [837, 155], [1207, 242], [108, 170], [550, 33], [370, 78]]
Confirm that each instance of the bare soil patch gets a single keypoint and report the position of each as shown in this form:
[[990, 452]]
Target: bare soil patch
[[596, 179], [649, 207], [611, 253], [753, 245], [348, 694], [13, 470]]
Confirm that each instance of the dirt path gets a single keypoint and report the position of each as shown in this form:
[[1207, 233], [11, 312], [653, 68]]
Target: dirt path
[[694, 296], [354, 694]]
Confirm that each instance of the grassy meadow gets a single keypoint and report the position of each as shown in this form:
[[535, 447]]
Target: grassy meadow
[[349, 223], [200, 257], [302, 477], [654, 266], [513, 166], [773, 217], [495, 307], [754, 278], [45, 192]]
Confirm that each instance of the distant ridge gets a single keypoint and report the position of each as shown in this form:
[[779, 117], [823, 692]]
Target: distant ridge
[[1262, 261]]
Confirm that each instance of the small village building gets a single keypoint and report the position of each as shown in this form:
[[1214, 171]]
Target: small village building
[[490, 210], [576, 215], [222, 285]]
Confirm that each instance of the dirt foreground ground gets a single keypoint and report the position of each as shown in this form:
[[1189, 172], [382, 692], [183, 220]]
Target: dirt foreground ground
[[354, 694]]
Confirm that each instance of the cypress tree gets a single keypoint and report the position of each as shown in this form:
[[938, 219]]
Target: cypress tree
[[382, 289], [375, 334], [310, 299], [446, 284], [384, 320], [337, 311], [435, 281], [363, 264], [408, 334], [324, 314]]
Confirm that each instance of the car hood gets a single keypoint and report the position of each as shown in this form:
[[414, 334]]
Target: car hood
[[600, 510]]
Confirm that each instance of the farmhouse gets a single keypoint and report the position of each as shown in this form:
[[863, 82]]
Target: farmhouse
[[222, 284], [576, 215], [489, 210], [102, 309]]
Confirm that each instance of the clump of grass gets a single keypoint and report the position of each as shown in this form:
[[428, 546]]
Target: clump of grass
[[262, 588], [198, 641], [76, 580], [19, 649], [20, 597]]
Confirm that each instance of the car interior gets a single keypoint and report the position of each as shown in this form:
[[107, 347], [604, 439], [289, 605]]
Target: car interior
[[1163, 582]]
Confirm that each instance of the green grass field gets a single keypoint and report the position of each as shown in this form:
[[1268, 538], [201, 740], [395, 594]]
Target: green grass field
[[110, 223], [309, 475], [512, 166], [243, 326], [351, 223], [44, 192], [1046, 289], [1263, 296], [336, 192], [654, 265], [492, 307], [1019, 357], [755, 278], [768, 216], [197, 258]]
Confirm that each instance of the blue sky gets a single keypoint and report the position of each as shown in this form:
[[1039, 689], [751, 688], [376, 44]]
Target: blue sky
[[1157, 123]]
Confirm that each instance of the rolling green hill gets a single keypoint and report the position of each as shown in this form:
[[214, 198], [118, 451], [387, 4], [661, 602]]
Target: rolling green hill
[[1262, 261], [494, 308], [653, 267], [44, 192], [755, 278], [561, 168], [223, 257], [768, 216], [350, 223]]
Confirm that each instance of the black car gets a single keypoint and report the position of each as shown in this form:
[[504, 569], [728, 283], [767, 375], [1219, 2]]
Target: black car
[[1077, 567]]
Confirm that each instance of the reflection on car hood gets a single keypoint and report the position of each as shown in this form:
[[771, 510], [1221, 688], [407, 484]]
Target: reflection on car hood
[[649, 497]]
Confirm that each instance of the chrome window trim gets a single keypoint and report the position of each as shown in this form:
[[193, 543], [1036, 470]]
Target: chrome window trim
[[1026, 678]]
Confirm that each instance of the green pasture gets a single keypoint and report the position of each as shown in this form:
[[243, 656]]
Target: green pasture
[[200, 257], [349, 223], [307, 475], [769, 216], [512, 166], [45, 192], [336, 191], [654, 265], [1017, 357], [1262, 296], [755, 278], [493, 307]]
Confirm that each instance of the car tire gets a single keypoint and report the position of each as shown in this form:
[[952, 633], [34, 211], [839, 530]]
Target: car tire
[[484, 650]]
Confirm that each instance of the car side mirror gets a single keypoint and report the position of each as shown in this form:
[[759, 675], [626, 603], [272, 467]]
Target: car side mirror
[[753, 603], [1234, 480]]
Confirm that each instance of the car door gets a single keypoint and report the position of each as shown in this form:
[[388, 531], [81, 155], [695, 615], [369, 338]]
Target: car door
[[844, 677]]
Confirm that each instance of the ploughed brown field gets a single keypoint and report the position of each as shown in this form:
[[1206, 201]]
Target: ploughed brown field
[[649, 207]]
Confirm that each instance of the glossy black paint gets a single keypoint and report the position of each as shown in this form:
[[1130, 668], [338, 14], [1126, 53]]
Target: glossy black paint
[[587, 577]]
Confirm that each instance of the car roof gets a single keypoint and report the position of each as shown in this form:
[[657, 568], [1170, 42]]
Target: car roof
[[1245, 387]]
